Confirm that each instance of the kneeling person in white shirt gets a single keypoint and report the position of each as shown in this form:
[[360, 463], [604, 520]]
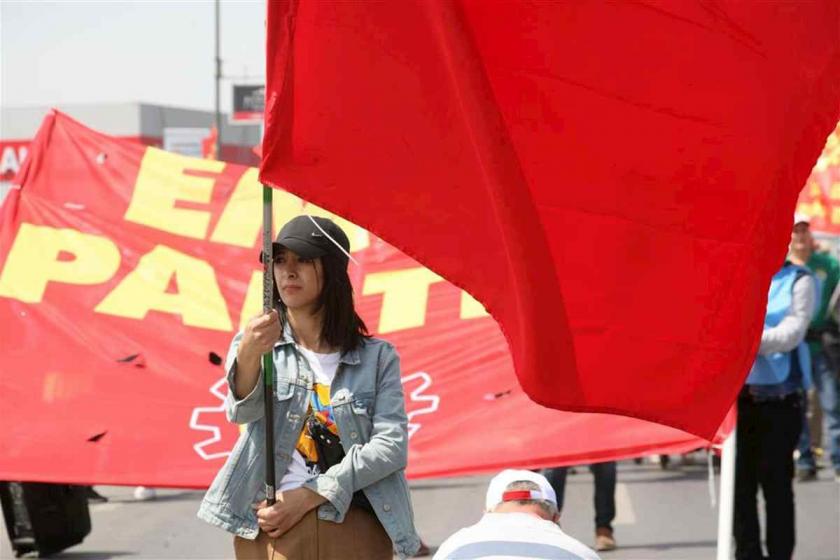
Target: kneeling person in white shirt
[[520, 522]]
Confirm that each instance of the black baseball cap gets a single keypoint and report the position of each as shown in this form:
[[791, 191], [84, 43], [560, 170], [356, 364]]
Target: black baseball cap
[[312, 237]]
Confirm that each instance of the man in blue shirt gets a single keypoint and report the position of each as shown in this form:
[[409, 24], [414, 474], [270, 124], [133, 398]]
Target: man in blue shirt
[[770, 418]]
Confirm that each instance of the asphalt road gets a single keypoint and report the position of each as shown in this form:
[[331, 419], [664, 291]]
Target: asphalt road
[[661, 514]]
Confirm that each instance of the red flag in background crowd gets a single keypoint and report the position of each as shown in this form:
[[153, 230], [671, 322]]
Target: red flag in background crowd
[[820, 199], [614, 182], [124, 269]]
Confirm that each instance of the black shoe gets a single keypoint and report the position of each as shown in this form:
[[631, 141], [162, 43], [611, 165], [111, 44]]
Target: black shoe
[[806, 475], [94, 496]]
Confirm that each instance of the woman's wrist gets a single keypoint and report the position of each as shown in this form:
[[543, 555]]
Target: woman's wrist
[[246, 357], [313, 498]]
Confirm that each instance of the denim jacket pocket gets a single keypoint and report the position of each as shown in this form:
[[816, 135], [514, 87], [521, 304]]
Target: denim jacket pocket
[[284, 390], [363, 404], [341, 397], [353, 414], [362, 411]]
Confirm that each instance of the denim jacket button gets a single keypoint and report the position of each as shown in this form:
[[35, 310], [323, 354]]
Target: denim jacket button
[[386, 507], [354, 435]]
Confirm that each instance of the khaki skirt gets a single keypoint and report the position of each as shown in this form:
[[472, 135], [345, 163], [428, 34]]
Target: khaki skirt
[[359, 537]]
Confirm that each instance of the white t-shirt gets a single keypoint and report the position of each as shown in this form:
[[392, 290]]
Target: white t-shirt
[[501, 536], [324, 367]]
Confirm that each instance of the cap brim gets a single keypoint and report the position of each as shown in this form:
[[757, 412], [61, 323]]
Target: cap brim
[[300, 247]]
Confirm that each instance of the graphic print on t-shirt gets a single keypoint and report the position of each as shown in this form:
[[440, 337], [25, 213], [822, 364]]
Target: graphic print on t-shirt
[[304, 463], [321, 409]]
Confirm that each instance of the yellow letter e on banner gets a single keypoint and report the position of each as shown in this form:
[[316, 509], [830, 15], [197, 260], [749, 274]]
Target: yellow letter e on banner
[[161, 183]]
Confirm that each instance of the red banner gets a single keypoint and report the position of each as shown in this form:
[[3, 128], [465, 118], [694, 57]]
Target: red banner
[[613, 181], [124, 269], [820, 199]]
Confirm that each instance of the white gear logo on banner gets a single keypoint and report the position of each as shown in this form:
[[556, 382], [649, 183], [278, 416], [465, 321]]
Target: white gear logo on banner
[[429, 404], [214, 429]]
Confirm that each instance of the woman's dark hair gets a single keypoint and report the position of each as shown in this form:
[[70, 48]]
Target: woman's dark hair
[[342, 327]]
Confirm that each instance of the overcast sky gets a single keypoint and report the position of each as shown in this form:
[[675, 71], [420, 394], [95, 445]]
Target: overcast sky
[[113, 51]]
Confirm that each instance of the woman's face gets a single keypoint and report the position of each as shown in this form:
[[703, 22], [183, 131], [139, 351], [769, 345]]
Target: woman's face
[[298, 280]]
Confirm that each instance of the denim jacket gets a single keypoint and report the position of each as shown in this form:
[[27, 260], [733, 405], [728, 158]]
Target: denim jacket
[[369, 409]]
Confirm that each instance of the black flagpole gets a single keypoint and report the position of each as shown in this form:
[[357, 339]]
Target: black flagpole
[[268, 361]]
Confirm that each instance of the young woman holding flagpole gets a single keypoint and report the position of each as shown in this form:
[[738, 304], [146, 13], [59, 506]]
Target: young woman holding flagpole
[[340, 440]]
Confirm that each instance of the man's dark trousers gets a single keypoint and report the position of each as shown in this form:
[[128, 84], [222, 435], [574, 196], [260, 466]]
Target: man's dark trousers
[[605, 475], [767, 432]]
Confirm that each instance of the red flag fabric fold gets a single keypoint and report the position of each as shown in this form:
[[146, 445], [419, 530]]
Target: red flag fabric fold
[[614, 182]]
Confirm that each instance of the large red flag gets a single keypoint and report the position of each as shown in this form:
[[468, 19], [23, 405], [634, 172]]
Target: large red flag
[[613, 181]]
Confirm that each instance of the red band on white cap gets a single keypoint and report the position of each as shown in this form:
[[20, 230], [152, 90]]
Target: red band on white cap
[[498, 491], [514, 495]]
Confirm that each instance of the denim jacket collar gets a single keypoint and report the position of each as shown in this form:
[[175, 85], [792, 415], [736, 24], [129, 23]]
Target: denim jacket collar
[[351, 357], [287, 337]]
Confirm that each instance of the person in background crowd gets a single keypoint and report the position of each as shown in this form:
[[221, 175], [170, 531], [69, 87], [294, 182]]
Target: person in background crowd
[[770, 418], [604, 498], [520, 521], [823, 339], [340, 425]]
